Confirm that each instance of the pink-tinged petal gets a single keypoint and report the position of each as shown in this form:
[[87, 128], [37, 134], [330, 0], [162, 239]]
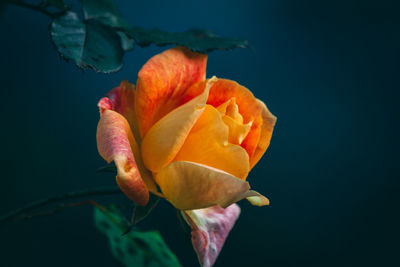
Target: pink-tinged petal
[[189, 185], [163, 80], [210, 228], [122, 99], [164, 140], [114, 139]]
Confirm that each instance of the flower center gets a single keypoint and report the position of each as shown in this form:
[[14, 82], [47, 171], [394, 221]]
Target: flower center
[[234, 120]]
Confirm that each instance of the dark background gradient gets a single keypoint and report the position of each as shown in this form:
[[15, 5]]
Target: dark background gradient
[[329, 70]]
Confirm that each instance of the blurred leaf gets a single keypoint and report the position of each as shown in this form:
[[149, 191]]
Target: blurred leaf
[[136, 248], [56, 3], [89, 43], [198, 40], [106, 12], [108, 168]]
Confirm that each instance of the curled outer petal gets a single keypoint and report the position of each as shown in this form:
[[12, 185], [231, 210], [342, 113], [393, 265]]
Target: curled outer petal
[[122, 99], [114, 139], [163, 80], [210, 228], [188, 186], [164, 140]]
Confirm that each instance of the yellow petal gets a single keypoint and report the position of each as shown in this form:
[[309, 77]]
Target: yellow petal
[[188, 185], [237, 131], [224, 90], [257, 199], [163, 141], [208, 144]]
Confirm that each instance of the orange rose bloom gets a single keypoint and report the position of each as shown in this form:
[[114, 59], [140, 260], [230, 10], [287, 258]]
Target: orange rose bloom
[[195, 139]]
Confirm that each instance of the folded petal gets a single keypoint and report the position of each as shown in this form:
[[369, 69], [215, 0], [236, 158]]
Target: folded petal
[[188, 185], [220, 93], [207, 143], [122, 99], [161, 144], [210, 228], [237, 131], [267, 127], [163, 80], [114, 140]]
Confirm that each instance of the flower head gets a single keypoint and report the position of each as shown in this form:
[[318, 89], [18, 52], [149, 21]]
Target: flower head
[[195, 139]]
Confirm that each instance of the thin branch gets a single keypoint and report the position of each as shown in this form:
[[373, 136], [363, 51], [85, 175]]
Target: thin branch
[[68, 196], [39, 8], [61, 207]]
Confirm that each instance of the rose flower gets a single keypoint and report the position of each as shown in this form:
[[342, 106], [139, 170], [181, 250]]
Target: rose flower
[[188, 139]]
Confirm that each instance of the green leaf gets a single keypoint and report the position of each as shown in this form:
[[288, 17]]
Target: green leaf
[[137, 248], [56, 3], [106, 12], [88, 44], [197, 40]]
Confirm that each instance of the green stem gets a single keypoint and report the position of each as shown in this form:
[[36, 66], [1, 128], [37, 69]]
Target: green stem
[[67, 196]]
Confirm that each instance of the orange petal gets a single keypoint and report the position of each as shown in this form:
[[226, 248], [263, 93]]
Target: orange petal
[[114, 139], [231, 109], [122, 99], [267, 127], [221, 92], [208, 144], [188, 186], [210, 228], [161, 144], [162, 82]]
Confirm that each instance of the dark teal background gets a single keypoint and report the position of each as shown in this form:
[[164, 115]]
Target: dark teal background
[[328, 70]]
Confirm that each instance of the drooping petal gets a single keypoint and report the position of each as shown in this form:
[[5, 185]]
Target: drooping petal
[[222, 91], [163, 80], [207, 144], [114, 139], [210, 228], [122, 99], [189, 185], [267, 127], [161, 144]]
